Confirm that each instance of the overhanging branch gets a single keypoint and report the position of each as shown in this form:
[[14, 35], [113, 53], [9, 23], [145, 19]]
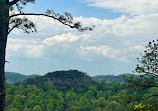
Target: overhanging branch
[[13, 2], [71, 25], [33, 14]]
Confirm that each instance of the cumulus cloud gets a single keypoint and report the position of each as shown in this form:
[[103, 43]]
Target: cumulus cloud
[[104, 51], [26, 48], [64, 38], [40, 48], [67, 45], [124, 25], [120, 39]]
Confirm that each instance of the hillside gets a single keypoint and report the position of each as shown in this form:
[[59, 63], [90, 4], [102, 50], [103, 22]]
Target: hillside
[[73, 90], [12, 77], [60, 79]]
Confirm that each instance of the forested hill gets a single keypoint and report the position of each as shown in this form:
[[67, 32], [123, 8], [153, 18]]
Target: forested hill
[[12, 77], [74, 91], [60, 79]]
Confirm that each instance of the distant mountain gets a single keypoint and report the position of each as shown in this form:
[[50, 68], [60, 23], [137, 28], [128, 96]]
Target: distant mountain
[[60, 79], [12, 77], [110, 78]]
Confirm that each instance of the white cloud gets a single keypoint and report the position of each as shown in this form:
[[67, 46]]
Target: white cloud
[[105, 51], [64, 38], [124, 26], [41, 48], [67, 45], [120, 39], [26, 48], [134, 7]]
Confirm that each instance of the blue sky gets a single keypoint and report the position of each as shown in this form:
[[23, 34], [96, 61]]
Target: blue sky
[[75, 7], [122, 30]]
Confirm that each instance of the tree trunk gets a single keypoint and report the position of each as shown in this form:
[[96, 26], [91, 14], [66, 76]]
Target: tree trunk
[[4, 15]]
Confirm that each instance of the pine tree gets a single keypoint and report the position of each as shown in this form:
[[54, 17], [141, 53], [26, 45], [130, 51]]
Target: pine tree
[[147, 67]]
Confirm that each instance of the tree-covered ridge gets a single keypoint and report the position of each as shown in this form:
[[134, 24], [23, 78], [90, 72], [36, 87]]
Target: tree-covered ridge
[[67, 74], [12, 77], [68, 91], [60, 79]]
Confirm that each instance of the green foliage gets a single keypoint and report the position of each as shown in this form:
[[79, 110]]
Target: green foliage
[[63, 80], [143, 90], [94, 96], [41, 94], [148, 63], [47, 97]]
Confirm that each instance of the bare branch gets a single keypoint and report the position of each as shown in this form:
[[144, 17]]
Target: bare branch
[[13, 2]]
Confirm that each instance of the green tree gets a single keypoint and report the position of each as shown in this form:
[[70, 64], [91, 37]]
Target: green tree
[[8, 22], [147, 67], [112, 106], [37, 108], [50, 106]]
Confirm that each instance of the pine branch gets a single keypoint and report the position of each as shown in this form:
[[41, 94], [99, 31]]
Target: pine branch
[[69, 24]]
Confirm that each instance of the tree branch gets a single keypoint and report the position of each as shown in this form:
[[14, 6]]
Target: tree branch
[[55, 18], [20, 14], [13, 2]]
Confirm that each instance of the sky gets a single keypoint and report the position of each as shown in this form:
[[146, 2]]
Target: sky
[[122, 29]]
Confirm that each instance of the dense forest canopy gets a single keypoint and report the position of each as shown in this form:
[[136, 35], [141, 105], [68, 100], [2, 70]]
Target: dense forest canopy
[[44, 94]]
